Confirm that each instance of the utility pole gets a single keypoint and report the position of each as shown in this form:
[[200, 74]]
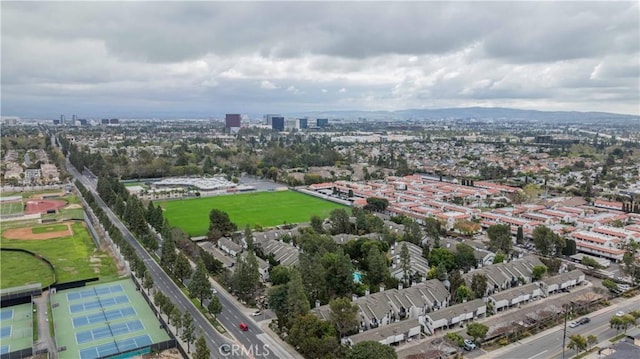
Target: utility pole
[[568, 307]]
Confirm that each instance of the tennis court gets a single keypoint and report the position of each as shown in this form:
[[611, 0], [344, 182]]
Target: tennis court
[[94, 292], [115, 347], [102, 320], [99, 303], [103, 317], [109, 330], [16, 332]]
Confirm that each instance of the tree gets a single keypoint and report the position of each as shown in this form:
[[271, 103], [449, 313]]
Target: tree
[[316, 224], [199, 286], [547, 242], [412, 232], [202, 351], [477, 331], [479, 285], [377, 204], [214, 306], [343, 315], [538, 272], [455, 281], [246, 278], [499, 258], [188, 329], [277, 298], [570, 248], [339, 220], [465, 258], [591, 340], [280, 275], [442, 255], [500, 238], [182, 268], [520, 236], [372, 349], [590, 262], [168, 254], [176, 318], [463, 294], [338, 273], [609, 284], [166, 308], [219, 224], [377, 269], [577, 342], [248, 237], [147, 281], [297, 302], [405, 263], [313, 337]]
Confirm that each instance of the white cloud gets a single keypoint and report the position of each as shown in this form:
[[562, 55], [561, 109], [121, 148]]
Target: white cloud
[[176, 57]]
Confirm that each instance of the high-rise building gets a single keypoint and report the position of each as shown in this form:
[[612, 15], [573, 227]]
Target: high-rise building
[[303, 123], [322, 122], [268, 119], [62, 119], [73, 119], [232, 120], [277, 123], [104, 121]]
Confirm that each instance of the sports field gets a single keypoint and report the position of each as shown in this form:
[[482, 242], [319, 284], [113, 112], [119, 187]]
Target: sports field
[[74, 257], [15, 207], [49, 228], [19, 268], [266, 209]]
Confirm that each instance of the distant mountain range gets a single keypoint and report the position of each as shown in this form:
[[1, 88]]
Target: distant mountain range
[[478, 113]]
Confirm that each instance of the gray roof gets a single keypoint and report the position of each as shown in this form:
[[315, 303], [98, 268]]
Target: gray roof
[[456, 310], [229, 244], [564, 277], [513, 293], [385, 331]]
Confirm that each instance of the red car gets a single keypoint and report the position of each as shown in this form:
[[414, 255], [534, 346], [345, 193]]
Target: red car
[[244, 327]]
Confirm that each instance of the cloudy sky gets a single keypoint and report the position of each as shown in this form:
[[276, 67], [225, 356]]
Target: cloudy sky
[[163, 59]]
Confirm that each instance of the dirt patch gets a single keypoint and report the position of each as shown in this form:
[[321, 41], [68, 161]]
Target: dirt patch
[[27, 233], [42, 206], [73, 206]]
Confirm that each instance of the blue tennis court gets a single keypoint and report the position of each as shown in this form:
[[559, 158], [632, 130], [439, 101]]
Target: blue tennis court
[[94, 292], [117, 347], [108, 331], [4, 349], [81, 307], [5, 332], [103, 317], [6, 314]]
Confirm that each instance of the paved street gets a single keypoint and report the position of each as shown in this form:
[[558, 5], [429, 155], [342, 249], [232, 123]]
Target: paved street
[[548, 344]]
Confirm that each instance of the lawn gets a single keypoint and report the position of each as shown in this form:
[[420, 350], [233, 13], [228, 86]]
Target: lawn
[[49, 228], [266, 209], [11, 208], [14, 265], [73, 257]]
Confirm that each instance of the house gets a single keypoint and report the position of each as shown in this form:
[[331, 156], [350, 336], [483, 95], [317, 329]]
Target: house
[[454, 315], [389, 334], [230, 247], [419, 265], [561, 282], [515, 296]]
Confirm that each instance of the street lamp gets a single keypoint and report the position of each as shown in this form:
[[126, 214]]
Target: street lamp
[[568, 308]]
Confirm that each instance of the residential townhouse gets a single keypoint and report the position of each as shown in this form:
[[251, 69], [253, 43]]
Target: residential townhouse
[[454, 315], [514, 296], [503, 276], [561, 282], [419, 264]]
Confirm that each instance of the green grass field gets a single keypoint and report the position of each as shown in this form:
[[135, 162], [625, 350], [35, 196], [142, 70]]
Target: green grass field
[[260, 208], [49, 228], [21, 268], [11, 208], [73, 257]]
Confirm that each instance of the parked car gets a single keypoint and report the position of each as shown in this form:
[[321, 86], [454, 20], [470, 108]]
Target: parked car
[[469, 345], [574, 324], [619, 313], [584, 320], [257, 313]]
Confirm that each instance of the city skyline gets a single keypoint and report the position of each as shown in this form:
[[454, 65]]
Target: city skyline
[[161, 59]]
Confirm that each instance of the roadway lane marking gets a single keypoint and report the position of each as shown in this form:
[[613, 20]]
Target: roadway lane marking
[[538, 354]]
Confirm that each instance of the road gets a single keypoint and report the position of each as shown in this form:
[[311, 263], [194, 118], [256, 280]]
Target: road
[[249, 344], [549, 344]]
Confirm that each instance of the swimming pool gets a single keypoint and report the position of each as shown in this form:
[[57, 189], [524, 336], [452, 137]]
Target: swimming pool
[[357, 277]]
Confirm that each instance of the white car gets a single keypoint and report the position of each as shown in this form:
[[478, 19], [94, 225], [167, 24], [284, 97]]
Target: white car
[[214, 291], [469, 345], [573, 324], [255, 314], [619, 313]]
